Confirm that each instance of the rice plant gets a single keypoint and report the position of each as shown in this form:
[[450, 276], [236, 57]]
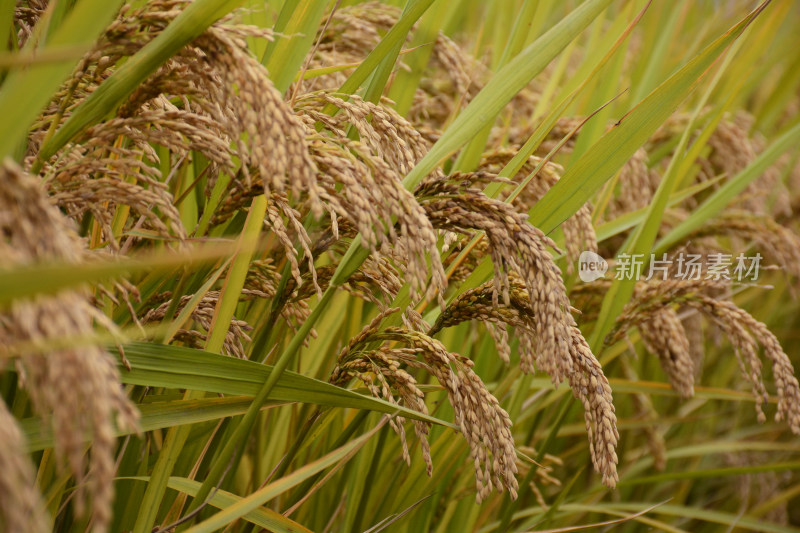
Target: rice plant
[[331, 265]]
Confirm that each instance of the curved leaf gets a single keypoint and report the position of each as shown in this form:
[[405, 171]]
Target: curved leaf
[[186, 368], [262, 517]]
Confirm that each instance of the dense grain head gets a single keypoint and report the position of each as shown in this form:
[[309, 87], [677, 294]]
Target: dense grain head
[[78, 389], [387, 135], [362, 182], [516, 248], [203, 315], [579, 234], [380, 371], [732, 146], [482, 421], [21, 507], [581, 370], [778, 242], [744, 332], [213, 98], [637, 184], [664, 336], [102, 196], [276, 143], [484, 424], [520, 250], [452, 78]]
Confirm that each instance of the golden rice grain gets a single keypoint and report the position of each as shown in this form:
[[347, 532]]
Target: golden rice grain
[[21, 506], [78, 389]]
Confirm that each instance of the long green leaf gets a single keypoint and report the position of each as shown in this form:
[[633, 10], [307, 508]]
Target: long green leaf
[[713, 473], [187, 368], [610, 153], [49, 278], [377, 82], [388, 44], [285, 58], [262, 517], [263, 495], [715, 517], [632, 219], [218, 330], [504, 85], [157, 415], [234, 282], [405, 82], [471, 155]]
